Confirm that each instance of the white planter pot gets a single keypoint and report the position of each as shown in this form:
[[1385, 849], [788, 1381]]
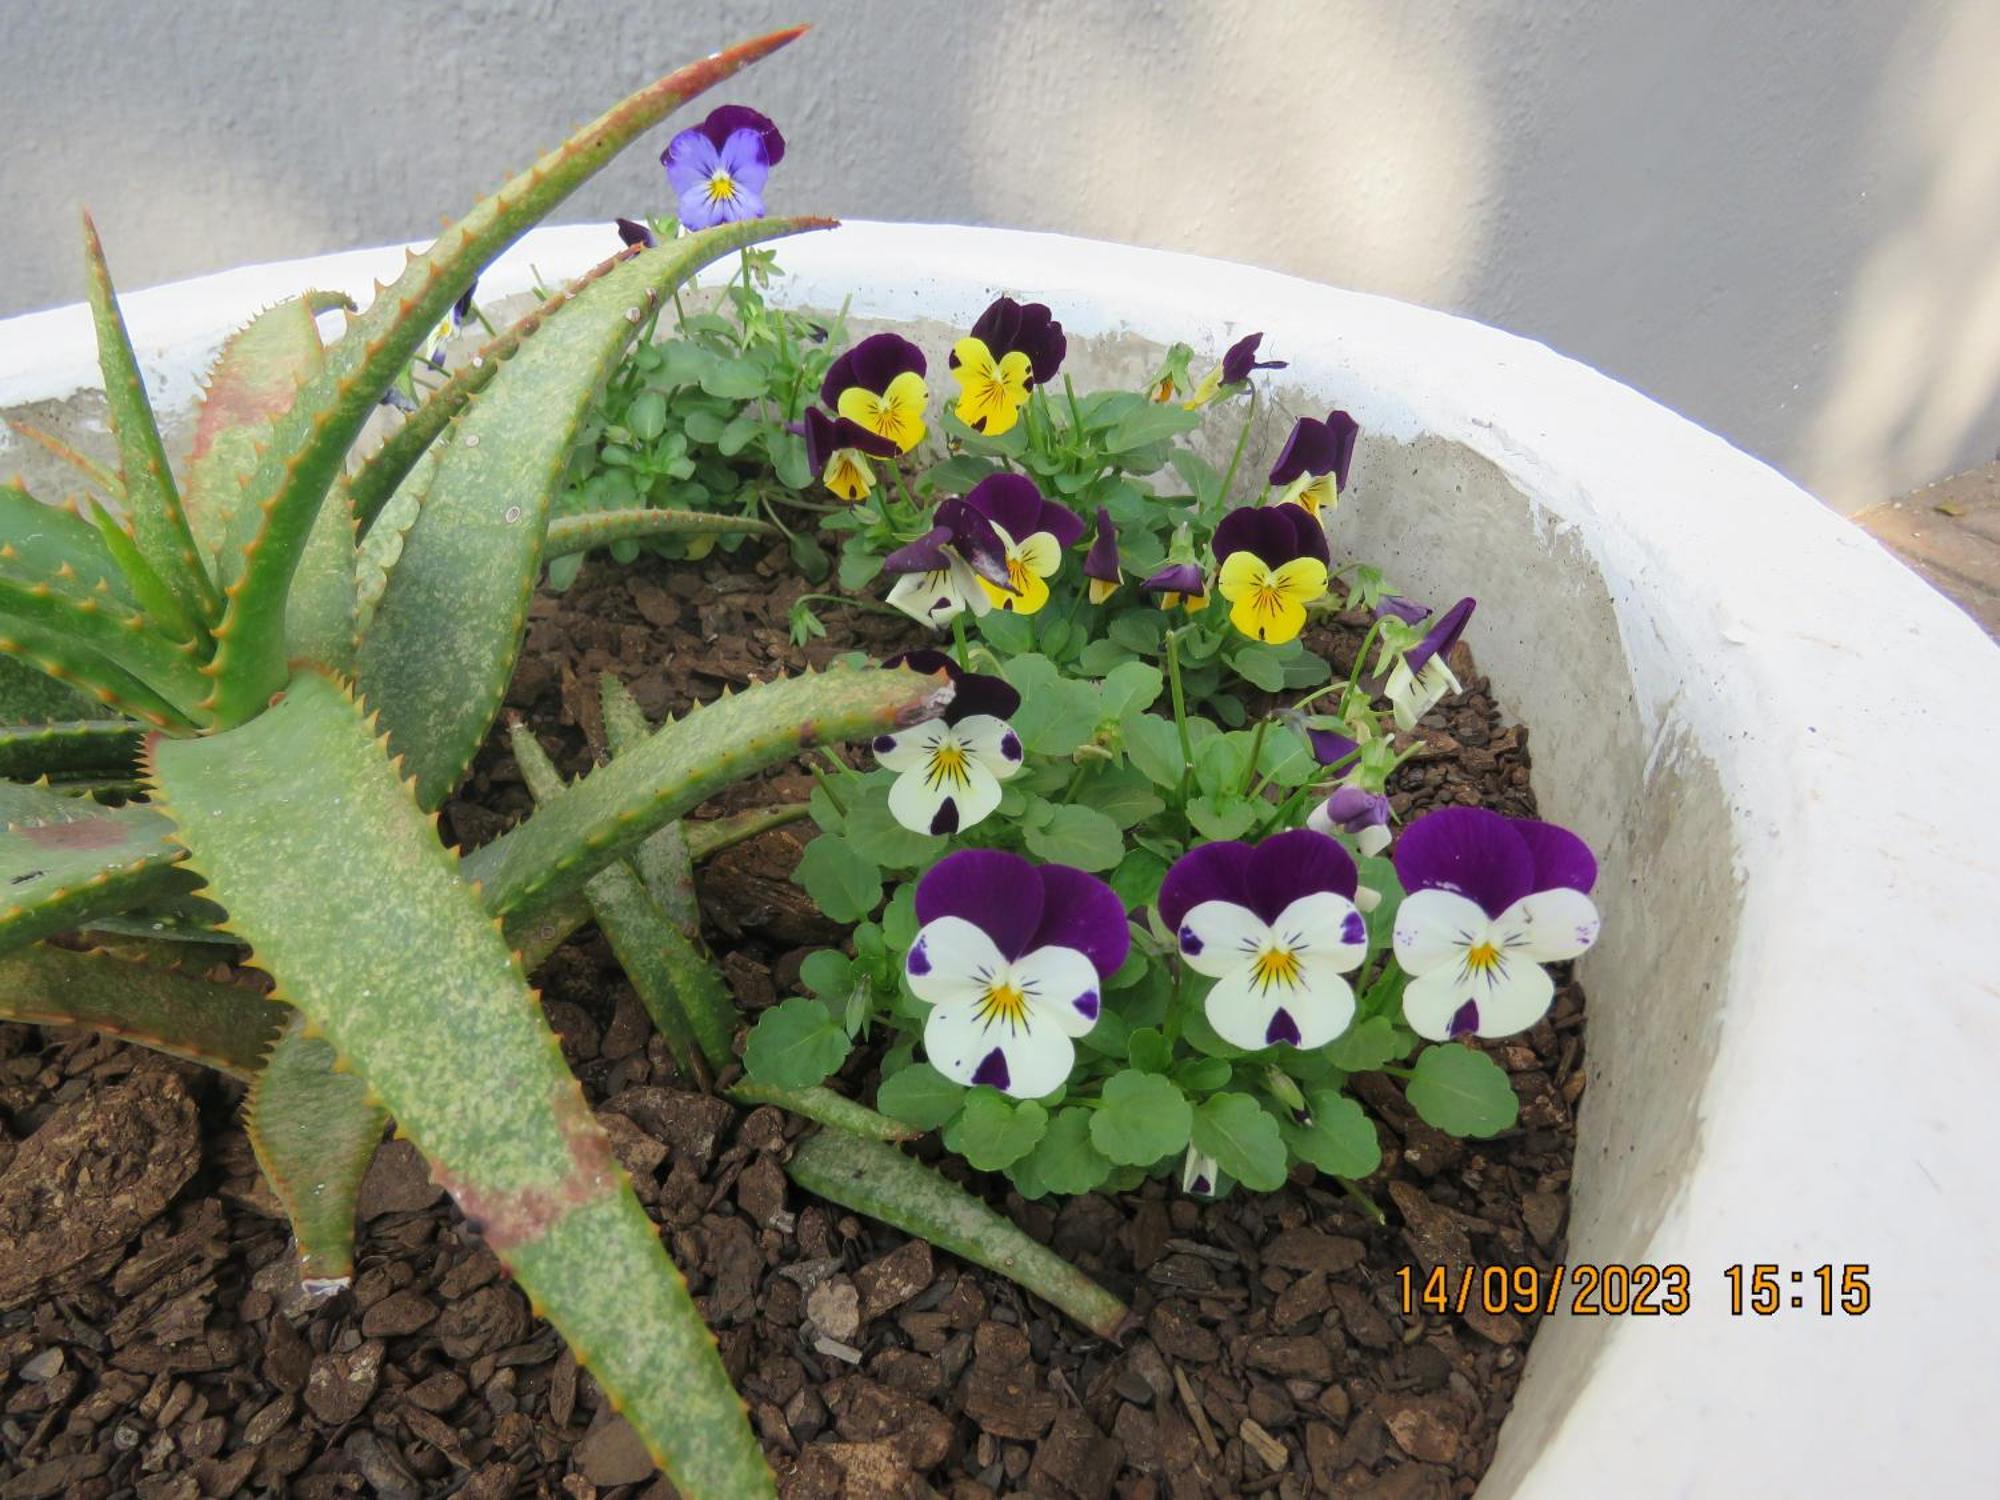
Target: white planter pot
[[1781, 742]]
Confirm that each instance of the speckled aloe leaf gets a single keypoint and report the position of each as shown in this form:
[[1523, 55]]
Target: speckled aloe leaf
[[663, 860], [873, 1178], [112, 631], [58, 656], [64, 860], [444, 636], [29, 696], [76, 747], [152, 499], [309, 443], [568, 534], [55, 544], [314, 1131], [251, 384], [224, 1026], [102, 479], [601, 816], [334, 875], [384, 471], [652, 951]]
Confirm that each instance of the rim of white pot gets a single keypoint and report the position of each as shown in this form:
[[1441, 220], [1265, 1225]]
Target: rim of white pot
[[1844, 719]]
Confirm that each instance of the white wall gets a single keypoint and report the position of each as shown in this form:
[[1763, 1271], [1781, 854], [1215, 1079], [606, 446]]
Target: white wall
[[1780, 218]]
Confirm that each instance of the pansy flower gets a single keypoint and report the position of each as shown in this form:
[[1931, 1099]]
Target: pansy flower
[[448, 328], [1273, 564], [1490, 900], [1034, 533], [1312, 469], [879, 384], [1237, 363], [1100, 564], [939, 575], [1329, 746], [1396, 607], [950, 768], [1178, 583], [1421, 676], [1362, 816], [1200, 1174], [838, 451], [1012, 349], [717, 169], [1276, 927], [1012, 957], [636, 234]]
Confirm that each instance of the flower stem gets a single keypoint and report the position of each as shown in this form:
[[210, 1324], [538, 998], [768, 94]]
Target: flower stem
[[1361, 656], [852, 603], [1256, 749], [1180, 710], [1242, 440], [1367, 1204], [826, 786], [964, 652]]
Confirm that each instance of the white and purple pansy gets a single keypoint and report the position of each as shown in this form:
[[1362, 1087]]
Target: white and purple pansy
[[938, 576], [1012, 958], [1200, 1174], [1362, 816], [1276, 927], [949, 769], [1422, 676], [1490, 900]]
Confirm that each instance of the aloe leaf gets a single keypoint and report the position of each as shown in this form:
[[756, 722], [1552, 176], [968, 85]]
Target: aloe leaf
[[145, 587], [55, 544], [389, 465], [54, 654], [100, 477], [824, 1107], [873, 1178], [310, 441], [664, 861], [116, 632], [158, 522], [77, 747], [28, 696], [443, 640], [261, 367], [223, 1026], [336, 878], [568, 534], [64, 860], [314, 1130], [321, 609], [601, 816]]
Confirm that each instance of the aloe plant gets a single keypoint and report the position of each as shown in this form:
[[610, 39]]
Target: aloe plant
[[303, 665]]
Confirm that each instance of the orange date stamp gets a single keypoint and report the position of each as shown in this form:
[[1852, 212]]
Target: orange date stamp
[[1617, 1291]]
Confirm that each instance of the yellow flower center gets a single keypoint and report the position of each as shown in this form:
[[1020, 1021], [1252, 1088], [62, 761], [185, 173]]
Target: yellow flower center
[[1005, 1004], [721, 187], [1482, 958], [1276, 966], [948, 764]]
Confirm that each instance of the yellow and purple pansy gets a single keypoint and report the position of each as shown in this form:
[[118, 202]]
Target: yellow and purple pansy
[[879, 386], [1178, 583], [1312, 469], [838, 450], [949, 769], [1100, 564], [1238, 361], [1034, 533], [1275, 925], [1490, 900], [1012, 348], [1012, 958], [1273, 563], [943, 572], [718, 168]]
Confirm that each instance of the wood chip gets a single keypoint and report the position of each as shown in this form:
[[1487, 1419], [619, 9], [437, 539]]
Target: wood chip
[[1274, 1453], [1196, 1414]]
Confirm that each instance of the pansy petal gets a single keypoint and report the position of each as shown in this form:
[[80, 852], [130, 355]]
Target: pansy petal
[[1455, 1001], [1468, 850], [1024, 1061], [1309, 1013], [1080, 911], [1549, 926], [952, 959], [1434, 928], [1001, 892], [1063, 988], [1242, 574], [1009, 501], [742, 157], [1296, 863], [1040, 553], [1208, 872], [909, 748], [1219, 938], [689, 158], [1431, 1001], [946, 792], [1326, 926], [1561, 858], [991, 742]]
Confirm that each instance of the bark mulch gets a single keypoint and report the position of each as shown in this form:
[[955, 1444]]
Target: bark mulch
[[153, 1341]]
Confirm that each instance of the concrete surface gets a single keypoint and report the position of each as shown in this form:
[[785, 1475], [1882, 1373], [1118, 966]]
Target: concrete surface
[[1792, 1011], [1778, 218], [1949, 532]]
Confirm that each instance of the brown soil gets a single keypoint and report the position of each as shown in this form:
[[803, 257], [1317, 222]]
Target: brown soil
[[146, 1347]]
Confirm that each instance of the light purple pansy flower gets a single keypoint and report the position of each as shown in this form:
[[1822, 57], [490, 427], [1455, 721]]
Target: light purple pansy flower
[[1490, 900], [938, 575], [1362, 816], [1012, 957], [1276, 927], [1422, 676], [718, 168], [950, 768], [1312, 469]]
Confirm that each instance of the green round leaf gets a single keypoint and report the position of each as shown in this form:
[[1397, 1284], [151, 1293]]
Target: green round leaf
[[920, 1096], [1064, 1160], [1463, 1092], [828, 973], [1079, 836], [1243, 1138], [1367, 1045], [794, 1045], [843, 885], [993, 1132], [1142, 1118], [1340, 1141]]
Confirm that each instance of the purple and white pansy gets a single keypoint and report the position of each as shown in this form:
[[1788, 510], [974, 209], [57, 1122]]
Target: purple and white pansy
[[1201, 1175], [950, 768], [939, 575], [717, 169], [1012, 957], [1275, 925], [1490, 900], [1421, 677], [1362, 816]]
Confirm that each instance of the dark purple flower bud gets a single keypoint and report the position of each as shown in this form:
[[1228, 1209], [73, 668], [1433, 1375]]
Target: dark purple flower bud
[[1330, 747], [1241, 359], [1407, 610], [632, 232], [1017, 507], [1176, 578], [1442, 636], [925, 555], [871, 365], [972, 692], [1352, 810], [1273, 534], [974, 539], [1316, 447], [1030, 327], [826, 436]]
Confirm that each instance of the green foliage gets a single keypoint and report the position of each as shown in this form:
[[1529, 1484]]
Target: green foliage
[[1462, 1091], [842, 884], [1244, 1140], [992, 1132], [1141, 1118], [795, 1044], [1065, 1160], [1339, 1139], [920, 1096], [65, 860]]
